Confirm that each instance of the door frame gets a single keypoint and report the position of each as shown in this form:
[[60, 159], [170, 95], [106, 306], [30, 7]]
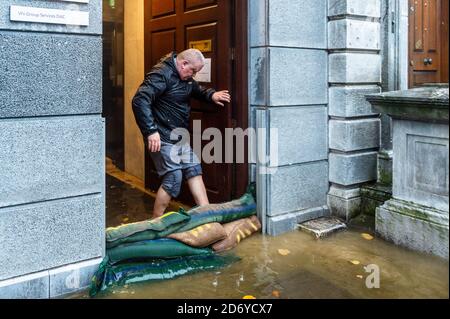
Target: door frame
[[241, 96], [239, 51]]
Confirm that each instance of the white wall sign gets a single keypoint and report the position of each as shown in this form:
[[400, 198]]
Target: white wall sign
[[205, 74], [53, 16]]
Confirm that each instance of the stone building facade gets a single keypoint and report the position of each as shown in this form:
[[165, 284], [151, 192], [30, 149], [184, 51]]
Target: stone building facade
[[52, 172], [310, 65]]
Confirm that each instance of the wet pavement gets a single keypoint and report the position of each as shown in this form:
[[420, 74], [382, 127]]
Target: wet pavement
[[291, 266], [127, 204]]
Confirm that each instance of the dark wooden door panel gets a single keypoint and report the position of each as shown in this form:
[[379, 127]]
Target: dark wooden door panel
[[162, 42], [162, 8], [197, 4], [177, 25], [444, 41], [426, 41]]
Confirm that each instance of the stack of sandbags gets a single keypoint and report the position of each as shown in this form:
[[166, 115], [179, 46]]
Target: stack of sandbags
[[163, 247]]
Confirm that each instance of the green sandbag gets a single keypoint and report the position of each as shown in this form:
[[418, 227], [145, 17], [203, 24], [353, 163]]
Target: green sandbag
[[214, 213], [123, 274], [158, 248], [155, 228], [221, 213]]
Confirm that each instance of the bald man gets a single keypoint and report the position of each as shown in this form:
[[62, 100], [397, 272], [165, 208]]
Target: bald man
[[160, 106]]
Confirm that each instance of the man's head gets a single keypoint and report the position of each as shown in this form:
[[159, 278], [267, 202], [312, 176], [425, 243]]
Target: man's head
[[189, 63]]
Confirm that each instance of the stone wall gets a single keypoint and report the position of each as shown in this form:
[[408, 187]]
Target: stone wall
[[354, 43], [289, 92], [51, 152]]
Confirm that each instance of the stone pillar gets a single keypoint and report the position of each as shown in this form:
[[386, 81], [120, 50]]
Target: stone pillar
[[289, 93], [354, 129], [52, 202], [134, 75], [417, 216]]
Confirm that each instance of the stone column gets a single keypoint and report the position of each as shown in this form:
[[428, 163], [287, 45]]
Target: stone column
[[417, 216], [289, 93], [354, 129], [52, 203]]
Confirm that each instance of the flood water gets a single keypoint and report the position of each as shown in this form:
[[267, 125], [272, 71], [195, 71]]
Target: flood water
[[294, 266]]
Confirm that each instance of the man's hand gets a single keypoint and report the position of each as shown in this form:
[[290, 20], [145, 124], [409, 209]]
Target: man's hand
[[221, 97], [154, 143]]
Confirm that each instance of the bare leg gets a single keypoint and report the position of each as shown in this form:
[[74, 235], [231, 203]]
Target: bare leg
[[161, 203], [198, 190]]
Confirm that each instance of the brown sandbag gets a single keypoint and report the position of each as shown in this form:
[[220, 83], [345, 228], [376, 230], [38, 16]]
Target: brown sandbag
[[202, 236], [237, 231]]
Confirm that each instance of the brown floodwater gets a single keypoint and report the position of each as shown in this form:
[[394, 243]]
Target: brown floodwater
[[312, 269], [291, 266]]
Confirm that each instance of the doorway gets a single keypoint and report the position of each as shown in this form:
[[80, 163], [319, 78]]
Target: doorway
[[218, 28], [113, 80]]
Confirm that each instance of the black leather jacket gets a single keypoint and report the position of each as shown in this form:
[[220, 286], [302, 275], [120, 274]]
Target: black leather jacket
[[161, 103]]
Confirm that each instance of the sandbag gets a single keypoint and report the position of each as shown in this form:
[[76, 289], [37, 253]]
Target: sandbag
[[123, 274], [146, 230], [157, 248], [221, 213], [212, 213], [237, 231], [202, 236]]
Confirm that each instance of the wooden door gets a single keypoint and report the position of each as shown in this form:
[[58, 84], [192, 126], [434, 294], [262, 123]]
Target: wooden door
[[175, 25], [428, 44]]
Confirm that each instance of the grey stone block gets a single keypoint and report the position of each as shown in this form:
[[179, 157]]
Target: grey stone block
[[258, 22], [352, 169], [385, 166], [350, 101], [415, 227], [302, 134], [354, 135], [52, 234], [253, 173], [252, 146], [296, 23], [34, 286], [49, 158], [72, 278], [94, 8], [294, 83], [296, 188], [369, 8], [49, 74], [258, 76], [344, 203], [421, 162], [289, 222], [354, 34], [354, 68]]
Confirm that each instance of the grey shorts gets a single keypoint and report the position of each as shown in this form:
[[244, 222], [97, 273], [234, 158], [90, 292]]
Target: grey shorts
[[173, 163]]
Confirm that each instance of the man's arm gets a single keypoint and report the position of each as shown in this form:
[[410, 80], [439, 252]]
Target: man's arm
[[210, 95], [152, 87], [201, 93]]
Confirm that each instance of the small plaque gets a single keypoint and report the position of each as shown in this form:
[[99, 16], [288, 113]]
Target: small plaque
[[205, 74], [203, 46], [52, 16]]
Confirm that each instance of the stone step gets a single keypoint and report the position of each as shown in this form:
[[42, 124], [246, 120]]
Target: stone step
[[322, 227]]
